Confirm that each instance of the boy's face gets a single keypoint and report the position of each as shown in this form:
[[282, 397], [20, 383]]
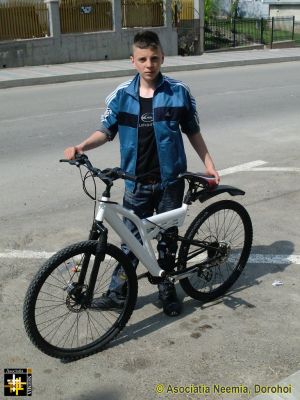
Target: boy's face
[[147, 62]]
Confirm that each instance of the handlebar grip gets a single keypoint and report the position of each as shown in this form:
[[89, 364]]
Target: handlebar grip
[[71, 162], [79, 159], [129, 177]]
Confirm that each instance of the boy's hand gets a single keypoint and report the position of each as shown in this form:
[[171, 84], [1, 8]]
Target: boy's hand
[[212, 171], [70, 152]]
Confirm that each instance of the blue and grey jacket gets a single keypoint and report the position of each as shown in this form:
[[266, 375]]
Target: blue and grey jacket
[[174, 111]]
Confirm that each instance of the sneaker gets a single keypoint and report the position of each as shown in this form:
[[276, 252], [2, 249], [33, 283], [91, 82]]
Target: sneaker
[[170, 302], [108, 301]]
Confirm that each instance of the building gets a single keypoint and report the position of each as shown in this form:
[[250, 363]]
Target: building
[[284, 8], [263, 8]]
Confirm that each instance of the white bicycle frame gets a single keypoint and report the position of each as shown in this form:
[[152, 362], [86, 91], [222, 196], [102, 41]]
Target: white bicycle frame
[[148, 228]]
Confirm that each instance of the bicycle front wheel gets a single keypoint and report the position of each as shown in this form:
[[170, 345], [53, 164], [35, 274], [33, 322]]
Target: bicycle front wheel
[[56, 317], [226, 230]]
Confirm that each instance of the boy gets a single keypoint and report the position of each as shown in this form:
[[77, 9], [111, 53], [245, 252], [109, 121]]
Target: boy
[[149, 113]]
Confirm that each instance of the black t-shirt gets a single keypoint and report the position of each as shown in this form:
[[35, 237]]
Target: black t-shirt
[[147, 159]]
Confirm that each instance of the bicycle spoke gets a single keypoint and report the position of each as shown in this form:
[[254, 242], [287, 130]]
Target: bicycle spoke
[[49, 295], [75, 332], [65, 336], [48, 308]]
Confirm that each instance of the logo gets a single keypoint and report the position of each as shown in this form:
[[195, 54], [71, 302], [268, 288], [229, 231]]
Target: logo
[[147, 117], [17, 382], [106, 114], [86, 9]]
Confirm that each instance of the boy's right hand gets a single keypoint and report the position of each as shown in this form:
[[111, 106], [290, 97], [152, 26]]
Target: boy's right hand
[[70, 152]]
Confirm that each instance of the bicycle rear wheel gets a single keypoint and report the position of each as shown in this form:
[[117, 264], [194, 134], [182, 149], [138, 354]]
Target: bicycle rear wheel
[[57, 320], [227, 229]]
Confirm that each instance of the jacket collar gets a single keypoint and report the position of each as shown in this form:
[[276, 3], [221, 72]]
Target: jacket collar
[[134, 87]]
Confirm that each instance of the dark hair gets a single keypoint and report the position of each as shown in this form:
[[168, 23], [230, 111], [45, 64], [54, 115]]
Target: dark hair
[[146, 39]]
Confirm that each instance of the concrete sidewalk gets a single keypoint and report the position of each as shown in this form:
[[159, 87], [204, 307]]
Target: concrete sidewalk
[[44, 74]]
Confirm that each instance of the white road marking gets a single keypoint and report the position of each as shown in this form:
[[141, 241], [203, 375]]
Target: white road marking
[[275, 169], [23, 254], [254, 166], [242, 167], [274, 259], [253, 259], [53, 114]]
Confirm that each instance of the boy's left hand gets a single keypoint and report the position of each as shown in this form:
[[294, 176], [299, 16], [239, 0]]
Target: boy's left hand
[[212, 171]]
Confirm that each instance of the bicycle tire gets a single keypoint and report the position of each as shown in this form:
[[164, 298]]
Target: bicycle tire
[[62, 329], [210, 225]]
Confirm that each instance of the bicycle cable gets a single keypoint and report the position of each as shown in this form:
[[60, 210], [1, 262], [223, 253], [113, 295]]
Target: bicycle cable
[[84, 178], [164, 230]]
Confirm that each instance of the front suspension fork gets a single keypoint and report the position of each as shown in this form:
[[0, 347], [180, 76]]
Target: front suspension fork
[[98, 232]]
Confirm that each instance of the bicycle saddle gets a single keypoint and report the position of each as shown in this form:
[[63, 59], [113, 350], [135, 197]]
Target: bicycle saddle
[[200, 178]]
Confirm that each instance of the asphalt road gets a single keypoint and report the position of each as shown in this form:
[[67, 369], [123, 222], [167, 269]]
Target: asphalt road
[[249, 337]]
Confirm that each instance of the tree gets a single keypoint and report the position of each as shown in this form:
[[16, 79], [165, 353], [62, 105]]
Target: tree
[[234, 8], [211, 8]]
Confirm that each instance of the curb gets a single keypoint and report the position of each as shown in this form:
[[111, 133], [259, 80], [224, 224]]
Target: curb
[[10, 83], [234, 63], [45, 80]]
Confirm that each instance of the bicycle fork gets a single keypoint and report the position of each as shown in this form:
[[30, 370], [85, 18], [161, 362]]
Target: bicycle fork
[[98, 232]]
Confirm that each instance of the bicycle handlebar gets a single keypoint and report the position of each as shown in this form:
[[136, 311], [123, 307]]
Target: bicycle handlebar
[[106, 175]]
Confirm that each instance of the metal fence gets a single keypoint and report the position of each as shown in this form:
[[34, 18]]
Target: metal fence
[[282, 29], [233, 32], [142, 13], [297, 33], [78, 16], [23, 20]]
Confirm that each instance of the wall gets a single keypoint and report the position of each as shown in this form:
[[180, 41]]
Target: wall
[[77, 47], [58, 48], [285, 11]]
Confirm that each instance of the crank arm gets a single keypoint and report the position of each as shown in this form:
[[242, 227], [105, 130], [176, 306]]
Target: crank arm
[[191, 271], [186, 274]]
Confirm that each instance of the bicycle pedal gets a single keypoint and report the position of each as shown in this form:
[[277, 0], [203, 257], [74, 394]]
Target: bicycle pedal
[[155, 280]]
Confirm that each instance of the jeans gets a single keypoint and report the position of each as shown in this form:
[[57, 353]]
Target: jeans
[[145, 201]]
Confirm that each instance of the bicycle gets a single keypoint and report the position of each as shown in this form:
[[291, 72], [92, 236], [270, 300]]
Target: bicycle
[[58, 316]]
